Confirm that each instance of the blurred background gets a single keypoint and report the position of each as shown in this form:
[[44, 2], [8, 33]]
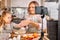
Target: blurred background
[[18, 8]]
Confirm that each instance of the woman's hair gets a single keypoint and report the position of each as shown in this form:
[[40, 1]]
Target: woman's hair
[[34, 2], [2, 22]]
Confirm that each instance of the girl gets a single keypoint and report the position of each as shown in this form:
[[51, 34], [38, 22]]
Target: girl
[[5, 20]]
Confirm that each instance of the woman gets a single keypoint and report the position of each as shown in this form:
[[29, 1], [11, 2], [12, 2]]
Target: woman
[[31, 10], [35, 19]]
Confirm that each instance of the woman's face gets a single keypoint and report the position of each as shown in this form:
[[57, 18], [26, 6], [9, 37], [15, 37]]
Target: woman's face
[[32, 8], [7, 18]]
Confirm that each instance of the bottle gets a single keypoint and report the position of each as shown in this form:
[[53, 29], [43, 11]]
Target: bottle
[[12, 34], [18, 37], [14, 38], [10, 38]]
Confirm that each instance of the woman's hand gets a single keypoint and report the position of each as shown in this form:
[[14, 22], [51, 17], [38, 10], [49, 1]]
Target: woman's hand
[[24, 23], [17, 26], [27, 22]]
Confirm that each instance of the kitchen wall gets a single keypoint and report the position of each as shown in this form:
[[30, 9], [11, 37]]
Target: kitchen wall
[[21, 3], [52, 6], [53, 9]]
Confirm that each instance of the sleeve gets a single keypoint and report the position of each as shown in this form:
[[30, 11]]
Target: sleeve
[[39, 18], [39, 21], [27, 17], [44, 23], [14, 26]]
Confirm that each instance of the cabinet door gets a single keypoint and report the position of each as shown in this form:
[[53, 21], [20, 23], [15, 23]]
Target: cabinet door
[[2, 4], [52, 28]]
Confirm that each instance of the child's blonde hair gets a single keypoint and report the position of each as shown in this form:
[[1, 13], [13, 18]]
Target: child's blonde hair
[[2, 22]]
